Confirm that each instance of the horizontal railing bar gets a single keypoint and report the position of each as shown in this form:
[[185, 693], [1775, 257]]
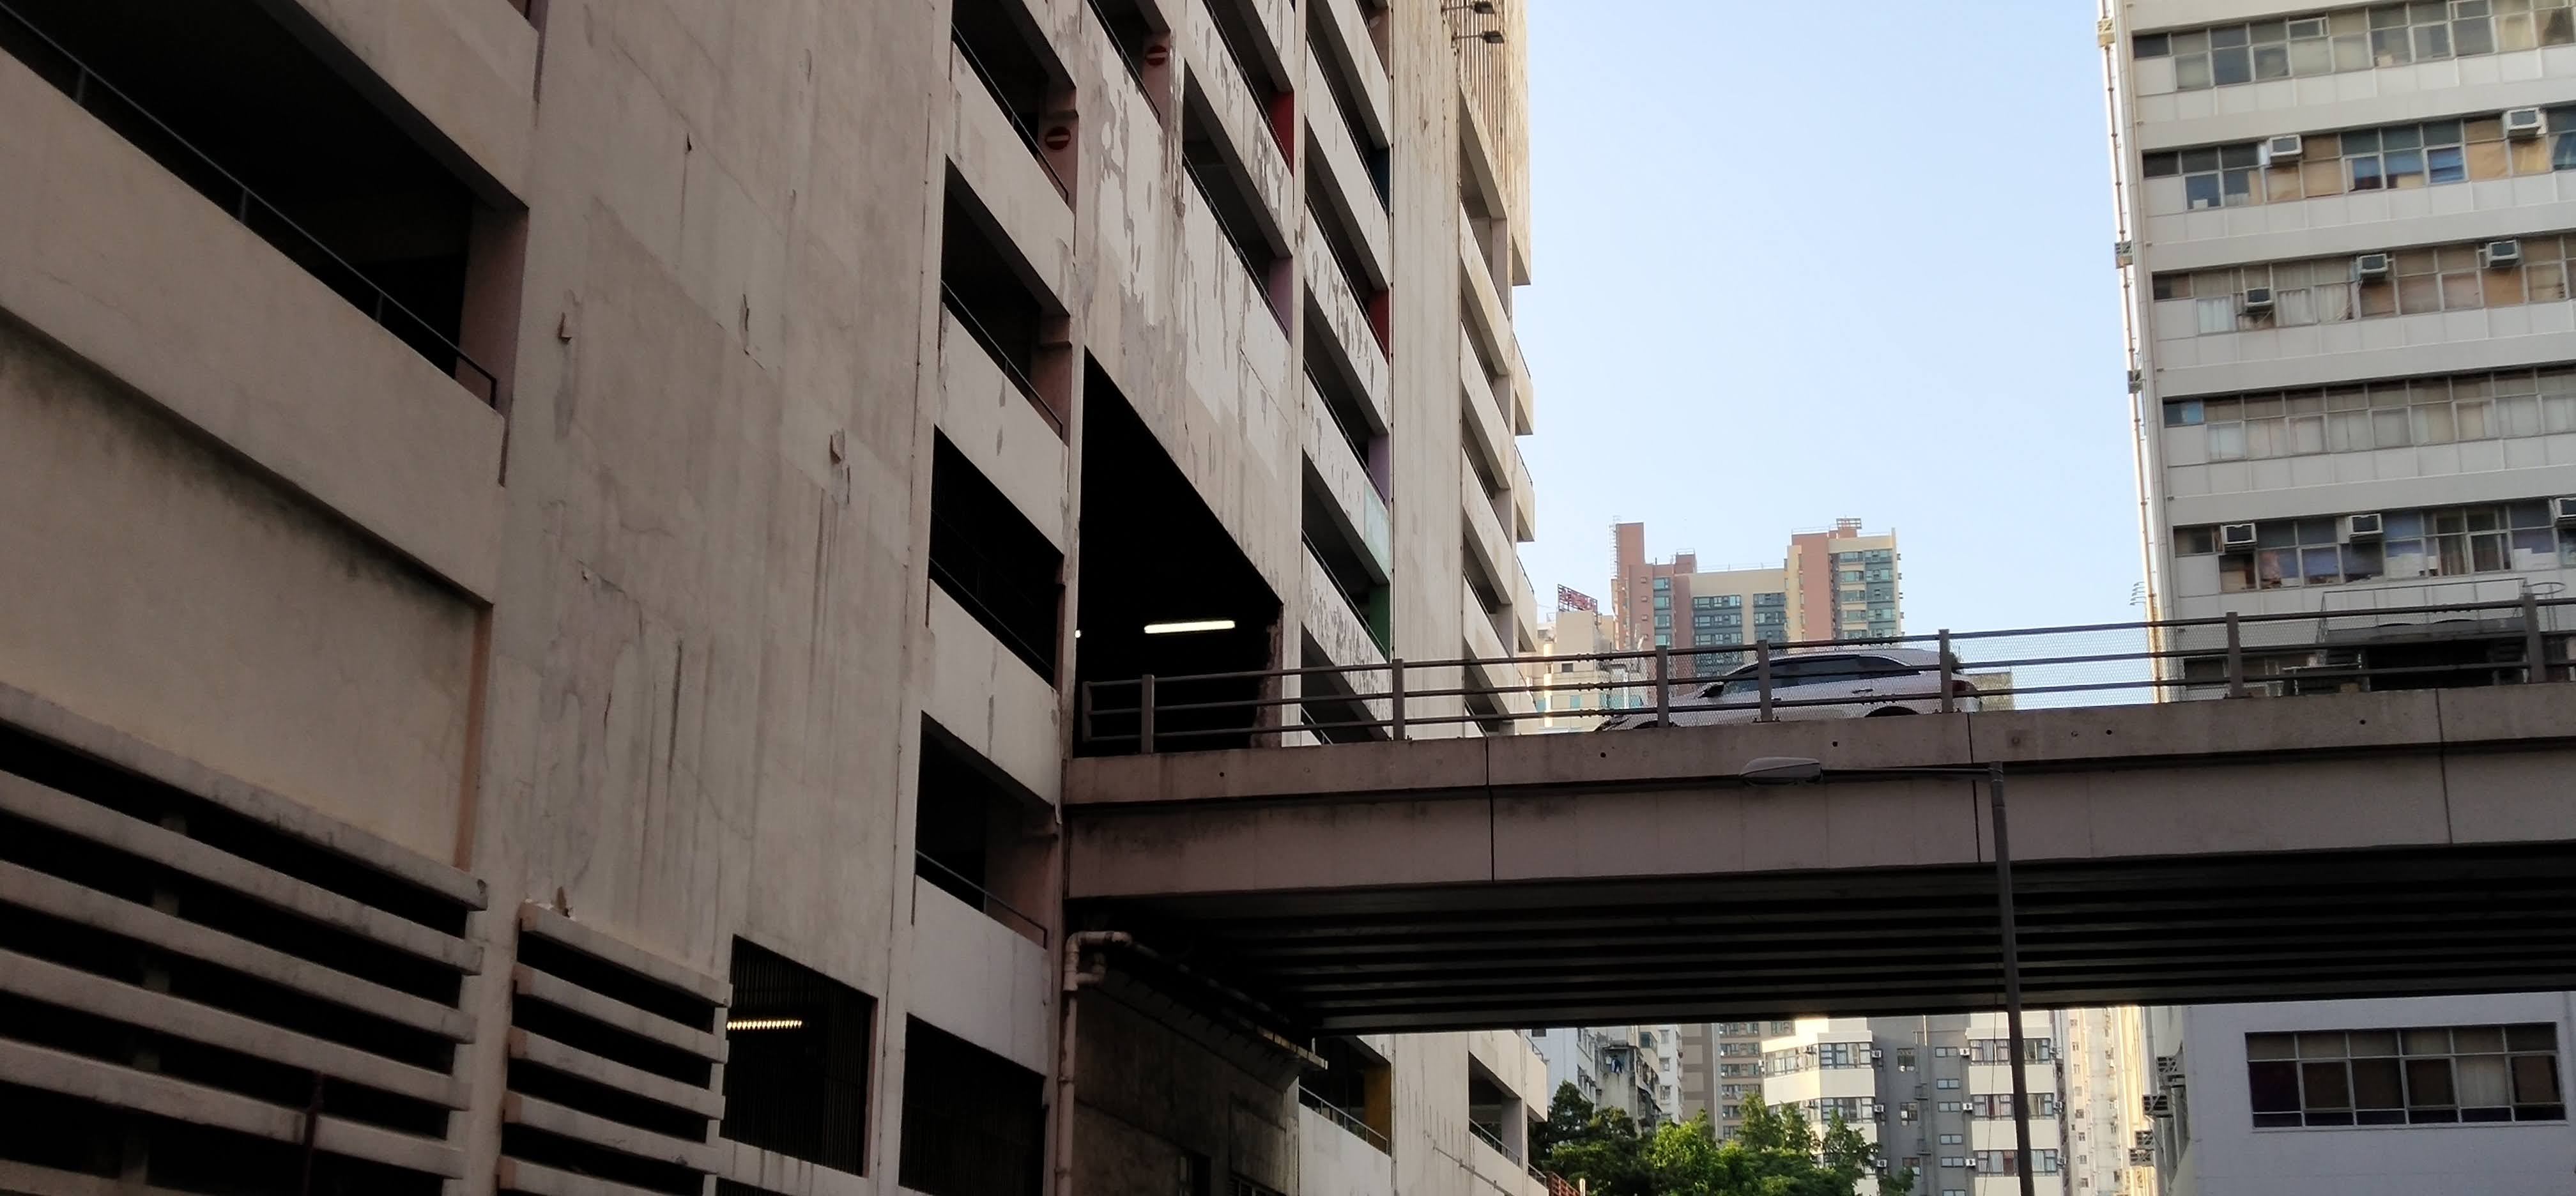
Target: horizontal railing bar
[[921, 857]]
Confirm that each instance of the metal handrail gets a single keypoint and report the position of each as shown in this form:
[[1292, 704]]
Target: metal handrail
[[1030, 139], [1135, 69], [240, 209], [1343, 1118], [1496, 1141], [971, 597], [955, 305], [1234, 242], [2538, 663], [990, 900]]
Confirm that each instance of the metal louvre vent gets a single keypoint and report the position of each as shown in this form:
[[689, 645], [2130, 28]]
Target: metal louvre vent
[[615, 1058], [205, 987]]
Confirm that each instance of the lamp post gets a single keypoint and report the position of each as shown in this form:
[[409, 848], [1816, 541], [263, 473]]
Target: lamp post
[[1798, 770]]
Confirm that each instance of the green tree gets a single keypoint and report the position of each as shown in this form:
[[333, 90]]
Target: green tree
[[1774, 1153], [1600, 1147]]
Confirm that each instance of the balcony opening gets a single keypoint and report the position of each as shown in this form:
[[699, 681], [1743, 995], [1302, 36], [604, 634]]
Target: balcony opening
[[1265, 74], [259, 109], [1342, 247], [1493, 1113], [997, 299], [974, 1123], [979, 835], [1338, 72], [1355, 1089], [1217, 170], [796, 1072], [1164, 590], [992, 560], [1143, 44], [1005, 49]]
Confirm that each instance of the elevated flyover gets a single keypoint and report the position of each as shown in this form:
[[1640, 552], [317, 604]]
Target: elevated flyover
[[2384, 843]]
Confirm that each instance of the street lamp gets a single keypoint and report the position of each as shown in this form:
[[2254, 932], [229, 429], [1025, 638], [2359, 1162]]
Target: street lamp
[[1799, 770]]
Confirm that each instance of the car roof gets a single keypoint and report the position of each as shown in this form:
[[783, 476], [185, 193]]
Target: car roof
[[1903, 655]]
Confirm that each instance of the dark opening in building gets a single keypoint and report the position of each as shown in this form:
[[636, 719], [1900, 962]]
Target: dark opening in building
[[1164, 590], [979, 835], [1255, 58], [992, 560], [272, 120], [1493, 1113], [1136, 32], [1005, 49], [996, 297], [1224, 183], [796, 1075], [974, 1123], [1354, 1089]]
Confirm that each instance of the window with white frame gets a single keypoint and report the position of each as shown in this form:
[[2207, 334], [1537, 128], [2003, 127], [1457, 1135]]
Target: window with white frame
[[2459, 149], [1948, 1083], [2354, 39], [2365, 416], [2419, 281], [2437, 1075], [2514, 537]]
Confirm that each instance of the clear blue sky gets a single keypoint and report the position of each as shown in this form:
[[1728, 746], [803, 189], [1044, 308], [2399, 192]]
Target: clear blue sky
[[1793, 262]]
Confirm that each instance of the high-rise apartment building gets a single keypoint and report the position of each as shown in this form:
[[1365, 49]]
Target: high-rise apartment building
[[2344, 244], [1934, 1093], [1720, 1067], [2109, 1072], [556, 548], [1833, 584], [1626, 1068], [1574, 694]]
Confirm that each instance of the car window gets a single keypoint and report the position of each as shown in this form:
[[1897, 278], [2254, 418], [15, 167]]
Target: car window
[[1795, 671], [1886, 666]]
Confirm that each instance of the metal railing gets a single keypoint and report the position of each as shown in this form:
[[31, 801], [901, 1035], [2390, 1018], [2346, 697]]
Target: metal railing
[[1492, 1139], [1135, 68], [956, 305], [1028, 136], [1344, 1118], [2273, 655], [985, 587], [957, 884], [88, 90]]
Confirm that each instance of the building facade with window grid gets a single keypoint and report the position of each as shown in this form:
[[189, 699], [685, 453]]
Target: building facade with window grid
[[1934, 1094], [2344, 237], [2344, 242], [2361, 1098], [1835, 583]]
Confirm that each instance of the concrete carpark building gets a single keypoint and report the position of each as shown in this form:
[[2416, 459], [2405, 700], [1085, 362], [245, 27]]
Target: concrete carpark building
[[545, 609], [2343, 237]]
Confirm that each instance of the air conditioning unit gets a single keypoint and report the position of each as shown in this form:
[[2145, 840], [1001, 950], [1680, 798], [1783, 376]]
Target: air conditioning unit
[[2563, 510], [2370, 267], [2257, 300], [2157, 1104], [2356, 528], [2497, 255], [2523, 122], [2239, 535], [2284, 148]]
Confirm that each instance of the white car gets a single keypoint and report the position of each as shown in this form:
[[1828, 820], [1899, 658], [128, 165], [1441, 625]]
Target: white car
[[1811, 685]]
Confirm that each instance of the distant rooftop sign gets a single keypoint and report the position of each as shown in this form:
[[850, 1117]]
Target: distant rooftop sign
[[1568, 598]]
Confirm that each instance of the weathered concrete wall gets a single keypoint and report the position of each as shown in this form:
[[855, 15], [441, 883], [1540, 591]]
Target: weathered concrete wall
[[158, 585], [1149, 1096], [2318, 773]]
